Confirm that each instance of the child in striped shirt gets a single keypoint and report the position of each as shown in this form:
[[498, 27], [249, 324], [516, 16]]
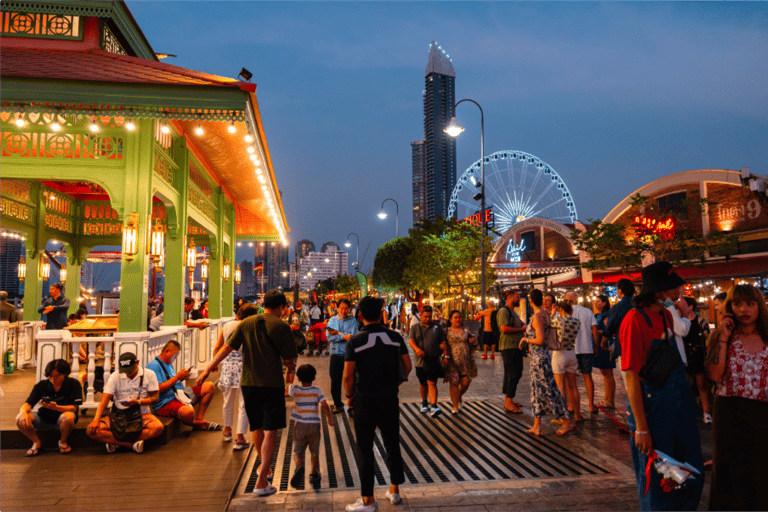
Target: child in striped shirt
[[306, 432]]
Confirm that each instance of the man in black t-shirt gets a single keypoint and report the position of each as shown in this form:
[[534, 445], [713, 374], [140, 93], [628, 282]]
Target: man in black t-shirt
[[373, 358], [59, 396]]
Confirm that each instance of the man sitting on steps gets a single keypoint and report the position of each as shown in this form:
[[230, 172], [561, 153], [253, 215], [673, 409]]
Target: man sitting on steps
[[170, 381]]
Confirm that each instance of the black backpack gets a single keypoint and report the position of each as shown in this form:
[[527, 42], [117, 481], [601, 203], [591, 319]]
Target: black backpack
[[495, 331]]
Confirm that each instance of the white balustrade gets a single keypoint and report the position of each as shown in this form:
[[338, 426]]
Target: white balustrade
[[27, 354]]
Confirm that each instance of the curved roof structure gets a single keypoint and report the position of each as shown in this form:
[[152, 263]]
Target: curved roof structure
[[439, 62]]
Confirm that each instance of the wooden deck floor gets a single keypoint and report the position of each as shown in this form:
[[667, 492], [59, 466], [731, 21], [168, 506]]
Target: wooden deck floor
[[194, 471]]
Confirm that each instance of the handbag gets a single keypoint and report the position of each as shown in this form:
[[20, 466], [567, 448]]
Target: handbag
[[127, 424], [185, 395], [661, 360], [553, 342]]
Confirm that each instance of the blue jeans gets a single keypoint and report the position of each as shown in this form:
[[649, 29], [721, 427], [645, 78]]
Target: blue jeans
[[671, 415]]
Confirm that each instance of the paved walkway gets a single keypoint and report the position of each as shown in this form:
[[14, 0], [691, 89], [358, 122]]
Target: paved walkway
[[197, 471]]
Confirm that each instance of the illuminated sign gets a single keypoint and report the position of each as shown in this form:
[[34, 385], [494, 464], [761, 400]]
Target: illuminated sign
[[648, 226], [514, 252], [476, 219]]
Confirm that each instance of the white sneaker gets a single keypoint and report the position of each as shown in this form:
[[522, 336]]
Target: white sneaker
[[424, 407], [138, 446], [359, 506], [707, 418], [394, 498]]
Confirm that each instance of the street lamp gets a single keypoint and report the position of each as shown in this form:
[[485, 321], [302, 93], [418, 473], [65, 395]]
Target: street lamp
[[453, 129], [383, 215], [348, 244]]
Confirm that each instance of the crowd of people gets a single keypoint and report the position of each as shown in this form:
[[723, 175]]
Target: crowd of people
[[666, 351]]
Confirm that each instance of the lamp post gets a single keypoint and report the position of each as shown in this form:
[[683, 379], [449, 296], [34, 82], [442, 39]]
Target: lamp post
[[347, 244], [453, 129], [383, 215]]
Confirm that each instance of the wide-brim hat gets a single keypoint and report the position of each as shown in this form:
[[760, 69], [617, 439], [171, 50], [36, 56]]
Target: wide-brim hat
[[660, 277], [127, 362]]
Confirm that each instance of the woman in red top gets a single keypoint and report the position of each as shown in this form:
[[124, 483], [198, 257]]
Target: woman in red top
[[738, 362], [662, 418]]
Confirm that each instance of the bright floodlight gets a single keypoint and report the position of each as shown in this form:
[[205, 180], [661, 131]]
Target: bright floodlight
[[382, 214], [453, 129]]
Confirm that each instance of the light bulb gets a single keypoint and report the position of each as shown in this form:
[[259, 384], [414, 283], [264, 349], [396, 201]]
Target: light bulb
[[231, 128], [199, 130], [165, 129], [130, 126], [248, 138], [55, 126], [251, 149], [93, 127], [20, 122]]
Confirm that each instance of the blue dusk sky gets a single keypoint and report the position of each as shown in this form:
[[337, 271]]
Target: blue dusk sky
[[611, 95]]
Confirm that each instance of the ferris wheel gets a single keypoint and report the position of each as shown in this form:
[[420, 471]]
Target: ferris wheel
[[518, 186]]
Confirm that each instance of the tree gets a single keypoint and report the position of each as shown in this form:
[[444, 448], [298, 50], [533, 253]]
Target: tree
[[346, 284], [651, 231]]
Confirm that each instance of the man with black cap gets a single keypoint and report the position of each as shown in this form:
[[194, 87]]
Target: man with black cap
[[130, 386], [663, 417]]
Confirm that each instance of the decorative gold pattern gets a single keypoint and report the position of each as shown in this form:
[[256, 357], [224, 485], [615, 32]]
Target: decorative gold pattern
[[109, 42], [58, 223], [13, 209], [16, 189], [163, 166], [48, 26], [61, 145], [199, 201], [56, 202]]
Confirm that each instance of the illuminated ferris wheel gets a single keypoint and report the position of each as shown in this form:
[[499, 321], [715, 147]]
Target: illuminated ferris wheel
[[518, 186]]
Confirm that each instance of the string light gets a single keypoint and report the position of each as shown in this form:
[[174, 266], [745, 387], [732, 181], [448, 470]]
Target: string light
[[248, 138], [130, 126], [231, 128]]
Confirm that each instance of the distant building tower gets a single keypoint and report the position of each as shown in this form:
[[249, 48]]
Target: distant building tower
[[326, 245], [304, 247], [439, 148], [274, 260], [418, 162]]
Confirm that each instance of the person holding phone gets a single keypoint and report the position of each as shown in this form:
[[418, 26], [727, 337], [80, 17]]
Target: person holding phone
[[59, 396], [340, 328]]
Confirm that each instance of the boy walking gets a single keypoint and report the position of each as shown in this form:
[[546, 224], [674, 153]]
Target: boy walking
[[306, 414]]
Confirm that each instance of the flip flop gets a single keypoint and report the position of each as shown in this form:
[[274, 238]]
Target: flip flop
[[209, 426], [32, 452], [64, 449], [516, 410]]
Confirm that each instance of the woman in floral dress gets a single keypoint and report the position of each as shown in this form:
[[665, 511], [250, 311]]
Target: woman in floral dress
[[461, 367], [545, 395], [229, 381]]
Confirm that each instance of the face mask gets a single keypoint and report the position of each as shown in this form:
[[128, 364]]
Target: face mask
[[668, 303]]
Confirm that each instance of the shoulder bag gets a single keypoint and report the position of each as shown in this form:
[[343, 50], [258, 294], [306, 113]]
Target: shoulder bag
[[553, 342], [127, 424], [186, 395], [661, 360]]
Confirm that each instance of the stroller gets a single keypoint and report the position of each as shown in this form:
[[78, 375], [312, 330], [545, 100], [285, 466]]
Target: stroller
[[317, 341]]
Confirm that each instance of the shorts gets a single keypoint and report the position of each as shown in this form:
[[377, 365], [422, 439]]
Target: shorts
[[564, 361], [171, 409], [42, 425], [306, 434], [585, 363], [424, 376], [265, 407], [486, 338]]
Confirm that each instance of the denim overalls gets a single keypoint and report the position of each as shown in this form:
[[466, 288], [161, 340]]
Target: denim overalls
[[671, 416]]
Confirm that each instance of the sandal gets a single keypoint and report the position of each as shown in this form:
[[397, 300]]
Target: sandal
[[208, 426], [32, 452], [516, 410], [64, 449]]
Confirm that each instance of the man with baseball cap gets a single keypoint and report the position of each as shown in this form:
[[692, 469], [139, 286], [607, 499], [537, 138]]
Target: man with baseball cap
[[663, 418], [131, 385]]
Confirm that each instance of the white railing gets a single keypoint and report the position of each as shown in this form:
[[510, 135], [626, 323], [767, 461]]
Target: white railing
[[20, 336], [9, 339], [196, 349]]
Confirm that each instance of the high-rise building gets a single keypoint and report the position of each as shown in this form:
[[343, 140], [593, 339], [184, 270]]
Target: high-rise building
[[419, 181], [273, 257], [439, 147], [248, 285], [326, 245], [319, 266], [304, 247]]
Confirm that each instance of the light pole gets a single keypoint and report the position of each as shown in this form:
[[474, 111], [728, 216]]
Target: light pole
[[347, 244], [453, 129], [383, 215]]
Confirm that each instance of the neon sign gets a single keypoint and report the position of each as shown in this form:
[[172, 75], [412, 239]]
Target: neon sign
[[514, 252], [476, 219], [648, 226]]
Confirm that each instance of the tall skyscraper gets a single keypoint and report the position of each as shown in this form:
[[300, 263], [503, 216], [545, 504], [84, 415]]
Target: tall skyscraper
[[419, 181], [304, 247], [274, 260], [321, 265], [439, 148]]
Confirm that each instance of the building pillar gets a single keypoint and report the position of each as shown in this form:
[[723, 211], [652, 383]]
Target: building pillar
[[134, 274], [215, 264], [33, 285], [176, 243], [228, 288]]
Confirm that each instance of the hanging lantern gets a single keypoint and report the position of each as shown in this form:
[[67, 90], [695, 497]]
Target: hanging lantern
[[238, 274], [130, 236], [45, 267], [63, 274], [157, 242], [22, 269], [191, 256], [204, 269], [225, 270]]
